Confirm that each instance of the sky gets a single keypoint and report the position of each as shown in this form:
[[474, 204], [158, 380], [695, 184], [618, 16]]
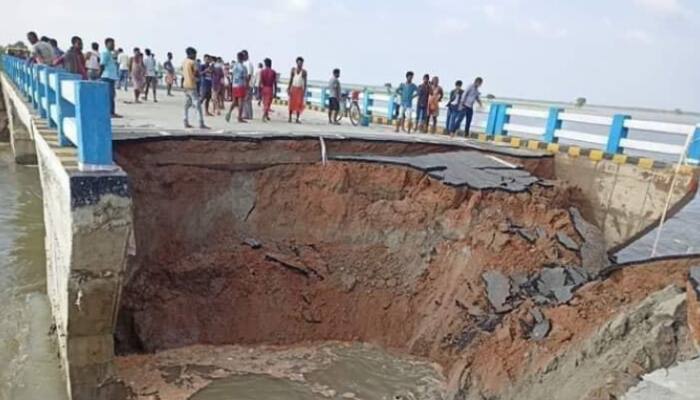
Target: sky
[[641, 53]]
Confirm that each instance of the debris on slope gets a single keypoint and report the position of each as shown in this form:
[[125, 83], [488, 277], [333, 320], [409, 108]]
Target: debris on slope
[[594, 256]]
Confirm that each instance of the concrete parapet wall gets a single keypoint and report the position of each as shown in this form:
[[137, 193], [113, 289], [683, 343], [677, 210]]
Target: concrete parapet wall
[[88, 222], [88, 226]]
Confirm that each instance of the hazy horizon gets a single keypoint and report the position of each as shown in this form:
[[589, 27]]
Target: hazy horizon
[[628, 53]]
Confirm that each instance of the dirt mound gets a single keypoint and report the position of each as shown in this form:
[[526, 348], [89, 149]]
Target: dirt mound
[[235, 246]]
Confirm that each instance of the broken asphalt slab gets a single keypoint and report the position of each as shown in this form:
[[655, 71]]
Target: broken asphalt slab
[[459, 168], [594, 253], [497, 290], [567, 241]]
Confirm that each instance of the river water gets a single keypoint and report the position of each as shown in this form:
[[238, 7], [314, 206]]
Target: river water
[[29, 366]]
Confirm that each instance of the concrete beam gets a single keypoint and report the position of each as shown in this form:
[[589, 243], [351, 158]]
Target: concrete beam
[[624, 200]]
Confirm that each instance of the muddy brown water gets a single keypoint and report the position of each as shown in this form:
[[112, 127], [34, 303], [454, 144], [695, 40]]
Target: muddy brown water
[[29, 366], [355, 372]]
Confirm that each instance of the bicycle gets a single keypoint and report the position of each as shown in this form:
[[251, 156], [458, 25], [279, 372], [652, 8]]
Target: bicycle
[[350, 107]]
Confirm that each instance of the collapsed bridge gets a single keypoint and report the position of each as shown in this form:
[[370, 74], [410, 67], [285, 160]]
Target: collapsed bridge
[[489, 260]]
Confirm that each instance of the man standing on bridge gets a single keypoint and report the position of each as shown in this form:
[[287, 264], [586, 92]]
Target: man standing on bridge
[[169, 74], [240, 88], [436, 95], [109, 72], [470, 96], [422, 105], [297, 90], [73, 59], [93, 62], [57, 52], [406, 91], [268, 88], [42, 52], [151, 75], [123, 60], [334, 98], [250, 71], [205, 83], [189, 84], [454, 108]]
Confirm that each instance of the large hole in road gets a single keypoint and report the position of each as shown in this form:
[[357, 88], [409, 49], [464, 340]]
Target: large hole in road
[[257, 242]]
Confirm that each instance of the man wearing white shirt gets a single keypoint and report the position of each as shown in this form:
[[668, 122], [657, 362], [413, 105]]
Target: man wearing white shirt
[[123, 60], [256, 83], [42, 52], [248, 103], [151, 74], [471, 95]]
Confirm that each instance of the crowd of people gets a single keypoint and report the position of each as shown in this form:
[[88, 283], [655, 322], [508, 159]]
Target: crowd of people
[[92, 65], [208, 83], [428, 95]]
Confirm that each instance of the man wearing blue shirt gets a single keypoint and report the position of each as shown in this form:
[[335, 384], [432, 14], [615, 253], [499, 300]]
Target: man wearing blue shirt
[[109, 72], [406, 91]]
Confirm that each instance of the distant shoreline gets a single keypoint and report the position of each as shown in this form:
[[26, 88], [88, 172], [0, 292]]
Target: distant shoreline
[[546, 103]]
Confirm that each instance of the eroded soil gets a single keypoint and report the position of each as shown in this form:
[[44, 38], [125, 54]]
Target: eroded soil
[[258, 243]]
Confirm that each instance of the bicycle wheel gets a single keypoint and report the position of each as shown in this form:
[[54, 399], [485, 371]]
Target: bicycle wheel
[[355, 114]]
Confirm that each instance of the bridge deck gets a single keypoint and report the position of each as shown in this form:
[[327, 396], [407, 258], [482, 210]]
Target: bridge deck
[[165, 118]]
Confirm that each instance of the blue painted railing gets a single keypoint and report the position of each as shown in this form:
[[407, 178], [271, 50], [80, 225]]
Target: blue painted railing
[[605, 133], [78, 109]]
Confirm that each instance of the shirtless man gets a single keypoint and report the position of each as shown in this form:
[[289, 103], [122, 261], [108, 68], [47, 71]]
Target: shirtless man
[[170, 77], [297, 90], [436, 95]]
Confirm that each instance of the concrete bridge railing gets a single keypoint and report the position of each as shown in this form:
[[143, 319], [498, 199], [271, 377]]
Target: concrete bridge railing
[[77, 109], [62, 125], [604, 134]]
